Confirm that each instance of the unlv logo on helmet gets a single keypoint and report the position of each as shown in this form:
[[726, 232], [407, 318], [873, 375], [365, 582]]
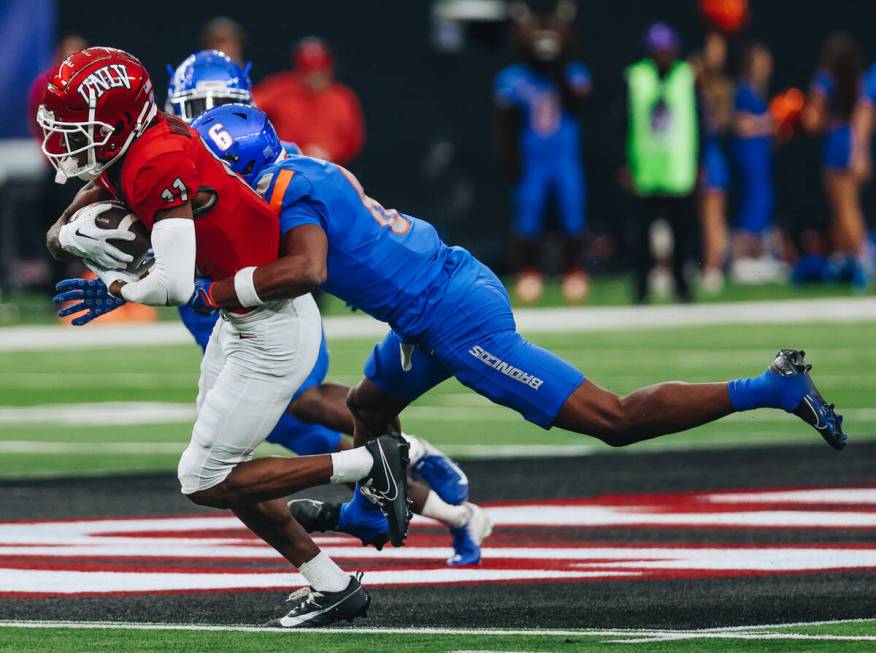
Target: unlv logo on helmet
[[103, 79], [82, 139]]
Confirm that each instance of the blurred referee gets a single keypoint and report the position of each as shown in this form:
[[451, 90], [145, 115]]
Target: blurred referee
[[662, 149]]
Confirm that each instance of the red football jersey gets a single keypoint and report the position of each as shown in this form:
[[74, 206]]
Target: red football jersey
[[167, 166]]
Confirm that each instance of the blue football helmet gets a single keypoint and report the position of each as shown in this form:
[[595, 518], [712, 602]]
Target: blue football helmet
[[206, 79], [241, 136]]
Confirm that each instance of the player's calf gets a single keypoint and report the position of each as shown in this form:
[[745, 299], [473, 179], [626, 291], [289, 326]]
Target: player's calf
[[672, 407], [374, 411], [381, 465]]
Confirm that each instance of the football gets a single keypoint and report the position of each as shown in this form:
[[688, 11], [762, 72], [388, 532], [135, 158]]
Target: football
[[120, 217]]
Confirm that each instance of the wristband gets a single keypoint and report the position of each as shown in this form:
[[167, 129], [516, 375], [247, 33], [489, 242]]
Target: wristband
[[244, 288]]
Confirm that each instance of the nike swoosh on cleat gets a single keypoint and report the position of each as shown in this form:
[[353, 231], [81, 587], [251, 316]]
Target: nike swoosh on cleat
[[818, 425], [391, 484], [286, 622]]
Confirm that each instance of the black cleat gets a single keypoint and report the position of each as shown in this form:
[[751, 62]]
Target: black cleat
[[811, 408], [311, 608], [315, 516], [386, 483]]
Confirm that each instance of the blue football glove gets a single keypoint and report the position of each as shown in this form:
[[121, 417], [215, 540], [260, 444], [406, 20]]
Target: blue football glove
[[94, 296], [202, 299]]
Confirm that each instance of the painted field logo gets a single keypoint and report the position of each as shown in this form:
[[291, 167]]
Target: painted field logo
[[215, 553]]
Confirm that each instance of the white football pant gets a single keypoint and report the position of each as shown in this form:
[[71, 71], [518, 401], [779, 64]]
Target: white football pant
[[253, 365]]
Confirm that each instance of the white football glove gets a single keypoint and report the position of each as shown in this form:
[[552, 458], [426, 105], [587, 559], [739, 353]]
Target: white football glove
[[83, 238]]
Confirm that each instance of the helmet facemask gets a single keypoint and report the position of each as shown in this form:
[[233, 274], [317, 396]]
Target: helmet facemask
[[188, 105], [65, 141]]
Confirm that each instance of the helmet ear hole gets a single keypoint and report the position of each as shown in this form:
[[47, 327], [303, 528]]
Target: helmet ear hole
[[248, 168]]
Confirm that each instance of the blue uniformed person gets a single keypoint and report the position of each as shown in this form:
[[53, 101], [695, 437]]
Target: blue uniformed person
[[538, 105]]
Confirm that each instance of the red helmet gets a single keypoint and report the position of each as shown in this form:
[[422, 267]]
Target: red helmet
[[96, 102]]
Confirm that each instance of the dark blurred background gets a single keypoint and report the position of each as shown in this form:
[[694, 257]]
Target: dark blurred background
[[429, 146]]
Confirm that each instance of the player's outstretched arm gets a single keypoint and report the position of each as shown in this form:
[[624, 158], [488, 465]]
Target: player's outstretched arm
[[88, 194], [300, 269]]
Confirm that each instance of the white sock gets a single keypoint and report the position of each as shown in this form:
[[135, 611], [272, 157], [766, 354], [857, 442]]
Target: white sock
[[452, 516], [351, 465], [323, 574], [418, 447]]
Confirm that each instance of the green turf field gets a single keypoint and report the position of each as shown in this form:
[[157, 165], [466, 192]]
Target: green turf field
[[450, 416], [840, 636]]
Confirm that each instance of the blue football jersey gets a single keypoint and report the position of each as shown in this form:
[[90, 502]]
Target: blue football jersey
[[380, 261], [548, 130]]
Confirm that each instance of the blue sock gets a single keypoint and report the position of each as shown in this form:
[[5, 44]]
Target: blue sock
[[768, 390]]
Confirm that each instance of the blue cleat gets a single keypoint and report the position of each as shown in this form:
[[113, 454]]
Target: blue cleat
[[467, 539], [801, 397], [444, 477], [361, 518], [358, 517]]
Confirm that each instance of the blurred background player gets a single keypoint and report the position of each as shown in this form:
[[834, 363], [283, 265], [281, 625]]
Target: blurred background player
[[863, 123], [832, 100], [206, 79], [317, 414], [723, 19], [716, 92], [226, 35], [663, 146], [753, 130], [307, 106], [538, 106]]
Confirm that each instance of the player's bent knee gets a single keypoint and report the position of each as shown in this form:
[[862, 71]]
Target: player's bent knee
[[214, 497], [202, 477]]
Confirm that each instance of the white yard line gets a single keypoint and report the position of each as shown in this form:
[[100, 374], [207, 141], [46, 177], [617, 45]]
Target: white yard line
[[457, 451], [544, 320], [118, 413], [112, 413], [631, 635], [90, 448]]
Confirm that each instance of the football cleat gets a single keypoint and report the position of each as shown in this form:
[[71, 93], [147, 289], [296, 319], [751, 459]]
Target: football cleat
[[811, 408], [576, 286], [311, 608], [359, 518], [467, 539], [386, 483], [447, 480], [530, 286], [315, 516], [370, 526]]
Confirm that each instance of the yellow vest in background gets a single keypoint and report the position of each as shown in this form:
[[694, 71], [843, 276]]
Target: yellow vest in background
[[663, 135]]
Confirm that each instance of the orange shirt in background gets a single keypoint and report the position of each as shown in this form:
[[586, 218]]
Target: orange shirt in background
[[327, 124]]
